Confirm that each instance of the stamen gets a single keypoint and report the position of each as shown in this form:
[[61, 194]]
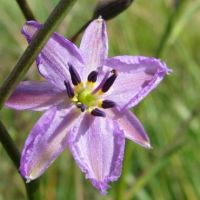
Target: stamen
[[69, 89], [98, 113], [109, 82], [108, 104], [92, 77], [81, 106], [76, 79]]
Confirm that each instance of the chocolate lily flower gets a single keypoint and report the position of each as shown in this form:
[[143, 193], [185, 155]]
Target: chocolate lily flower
[[86, 98]]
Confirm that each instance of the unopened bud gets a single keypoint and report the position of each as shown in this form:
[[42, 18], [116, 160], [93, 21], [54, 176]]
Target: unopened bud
[[108, 9]]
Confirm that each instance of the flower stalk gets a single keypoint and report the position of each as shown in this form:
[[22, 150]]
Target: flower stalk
[[14, 154], [26, 10], [34, 48], [9, 146], [33, 190]]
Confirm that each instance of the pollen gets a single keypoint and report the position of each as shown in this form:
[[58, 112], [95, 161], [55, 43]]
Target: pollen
[[86, 97], [83, 95]]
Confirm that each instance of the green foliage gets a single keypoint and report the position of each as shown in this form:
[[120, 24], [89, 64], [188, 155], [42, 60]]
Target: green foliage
[[170, 114]]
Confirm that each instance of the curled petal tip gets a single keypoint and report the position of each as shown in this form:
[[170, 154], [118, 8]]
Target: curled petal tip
[[147, 145], [165, 68], [102, 187], [169, 71], [28, 180], [100, 19]]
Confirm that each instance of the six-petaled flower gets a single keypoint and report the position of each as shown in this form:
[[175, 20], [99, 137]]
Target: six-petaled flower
[[87, 97]]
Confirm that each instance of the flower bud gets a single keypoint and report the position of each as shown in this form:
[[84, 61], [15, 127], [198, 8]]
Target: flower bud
[[108, 9]]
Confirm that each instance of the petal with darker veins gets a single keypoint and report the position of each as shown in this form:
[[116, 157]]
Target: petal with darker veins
[[46, 141], [56, 54], [132, 127], [35, 95], [94, 46], [97, 145], [137, 77]]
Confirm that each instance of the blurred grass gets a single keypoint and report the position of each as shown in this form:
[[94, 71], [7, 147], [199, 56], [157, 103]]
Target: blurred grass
[[170, 114]]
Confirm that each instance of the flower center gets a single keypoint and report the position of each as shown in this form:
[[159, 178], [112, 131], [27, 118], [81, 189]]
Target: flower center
[[85, 97]]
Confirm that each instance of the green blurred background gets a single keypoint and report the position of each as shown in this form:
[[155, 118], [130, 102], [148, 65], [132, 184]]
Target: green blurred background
[[170, 114]]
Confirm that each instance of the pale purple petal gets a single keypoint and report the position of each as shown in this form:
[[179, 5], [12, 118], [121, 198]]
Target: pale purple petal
[[132, 127], [137, 76], [38, 96], [94, 46], [54, 58], [46, 141], [97, 145]]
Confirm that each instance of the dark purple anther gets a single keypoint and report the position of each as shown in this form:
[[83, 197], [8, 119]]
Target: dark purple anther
[[92, 77], [109, 82], [69, 89], [81, 107], [76, 79], [98, 113], [108, 104]]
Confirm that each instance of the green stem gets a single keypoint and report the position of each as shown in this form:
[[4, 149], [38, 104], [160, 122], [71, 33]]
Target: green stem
[[9, 146], [33, 190], [28, 14], [34, 48], [168, 30]]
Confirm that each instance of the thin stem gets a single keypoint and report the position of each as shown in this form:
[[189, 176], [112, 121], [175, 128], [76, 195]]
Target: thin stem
[[9, 146], [33, 190], [28, 14], [33, 49]]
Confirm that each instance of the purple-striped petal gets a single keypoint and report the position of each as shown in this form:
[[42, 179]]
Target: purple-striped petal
[[137, 76], [46, 141], [97, 145], [94, 46], [54, 58], [132, 127], [38, 96]]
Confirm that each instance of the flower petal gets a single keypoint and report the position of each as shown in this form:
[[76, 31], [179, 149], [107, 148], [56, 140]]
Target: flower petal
[[137, 76], [97, 145], [94, 46], [54, 58], [46, 141], [36, 96], [132, 127]]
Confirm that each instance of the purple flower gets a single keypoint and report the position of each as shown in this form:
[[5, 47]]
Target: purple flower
[[87, 97]]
